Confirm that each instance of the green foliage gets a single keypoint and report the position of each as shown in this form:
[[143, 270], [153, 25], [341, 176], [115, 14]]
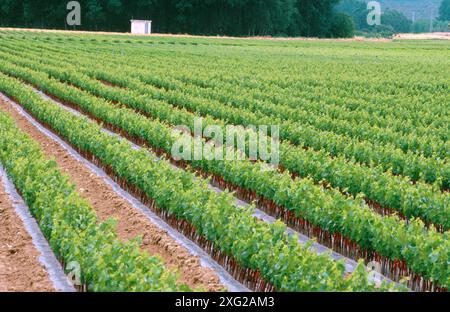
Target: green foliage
[[444, 11], [405, 198], [257, 245], [357, 10], [423, 26], [398, 21], [342, 26], [71, 226], [392, 21], [212, 17], [326, 208]]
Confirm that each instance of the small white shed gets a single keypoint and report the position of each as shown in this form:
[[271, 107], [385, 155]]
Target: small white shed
[[141, 27]]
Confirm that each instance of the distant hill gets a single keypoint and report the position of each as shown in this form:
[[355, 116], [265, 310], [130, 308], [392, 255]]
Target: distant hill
[[418, 9]]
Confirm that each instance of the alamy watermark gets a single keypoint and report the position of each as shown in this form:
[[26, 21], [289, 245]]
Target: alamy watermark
[[73, 270], [374, 16], [74, 16], [214, 142], [374, 268]]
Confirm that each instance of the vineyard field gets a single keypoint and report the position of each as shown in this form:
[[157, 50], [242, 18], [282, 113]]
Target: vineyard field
[[337, 177]]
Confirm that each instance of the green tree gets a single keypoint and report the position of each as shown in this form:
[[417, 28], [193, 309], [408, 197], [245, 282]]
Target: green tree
[[11, 13], [342, 26], [399, 22], [357, 10], [444, 10], [207, 17]]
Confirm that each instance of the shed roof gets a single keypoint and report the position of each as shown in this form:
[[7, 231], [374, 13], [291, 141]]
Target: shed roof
[[133, 20]]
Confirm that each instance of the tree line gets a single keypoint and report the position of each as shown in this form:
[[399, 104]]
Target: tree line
[[392, 21], [203, 17], [309, 18]]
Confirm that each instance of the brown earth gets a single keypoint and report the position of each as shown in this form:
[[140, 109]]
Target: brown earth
[[425, 36], [20, 269], [131, 222]]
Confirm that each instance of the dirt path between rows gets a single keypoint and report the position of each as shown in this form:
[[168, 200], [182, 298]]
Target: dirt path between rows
[[131, 222], [20, 269]]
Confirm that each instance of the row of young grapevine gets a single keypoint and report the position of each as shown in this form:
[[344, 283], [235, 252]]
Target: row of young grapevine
[[334, 107], [71, 225], [327, 208], [255, 245], [353, 90], [412, 200], [343, 107], [414, 166], [429, 144], [232, 93], [194, 76], [312, 90], [408, 164], [225, 94]]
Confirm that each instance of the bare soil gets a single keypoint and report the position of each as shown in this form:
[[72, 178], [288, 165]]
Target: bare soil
[[131, 222], [20, 269], [425, 36]]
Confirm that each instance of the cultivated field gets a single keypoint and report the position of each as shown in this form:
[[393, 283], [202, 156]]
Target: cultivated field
[[361, 179]]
